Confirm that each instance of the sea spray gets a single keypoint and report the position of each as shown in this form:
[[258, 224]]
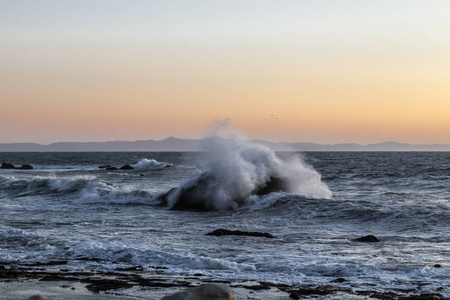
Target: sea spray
[[150, 164], [235, 170]]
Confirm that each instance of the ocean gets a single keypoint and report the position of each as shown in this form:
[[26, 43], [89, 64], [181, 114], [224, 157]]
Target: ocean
[[68, 209]]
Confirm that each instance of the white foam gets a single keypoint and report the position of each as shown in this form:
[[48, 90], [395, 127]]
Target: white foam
[[72, 184], [236, 169], [215, 263], [83, 189], [8, 181], [150, 164], [120, 252]]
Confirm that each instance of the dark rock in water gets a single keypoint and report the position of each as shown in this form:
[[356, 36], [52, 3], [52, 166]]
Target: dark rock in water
[[438, 266], [26, 167], [7, 166], [104, 167], [272, 186], [220, 232], [367, 239], [211, 291], [196, 194], [11, 166], [192, 196], [164, 197], [340, 280], [110, 168], [38, 297], [126, 167]]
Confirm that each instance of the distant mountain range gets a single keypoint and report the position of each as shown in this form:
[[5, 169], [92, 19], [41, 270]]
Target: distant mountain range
[[175, 144]]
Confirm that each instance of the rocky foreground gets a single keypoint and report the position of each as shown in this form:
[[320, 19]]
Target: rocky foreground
[[194, 287]]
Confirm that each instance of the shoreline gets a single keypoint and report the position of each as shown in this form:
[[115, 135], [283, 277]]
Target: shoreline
[[19, 282]]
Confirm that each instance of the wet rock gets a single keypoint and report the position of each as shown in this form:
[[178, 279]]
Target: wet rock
[[258, 287], [47, 263], [10, 272], [273, 185], [197, 194], [394, 296], [427, 297], [11, 166], [212, 291], [367, 239], [220, 232], [56, 277], [192, 195], [305, 292], [38, 297], [105, 167], [126, 167], [100, 285], [340, 280], [7, 166], [110, 168], [26, 167]]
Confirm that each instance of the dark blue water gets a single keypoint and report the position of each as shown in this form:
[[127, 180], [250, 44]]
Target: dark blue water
[[67, 208]]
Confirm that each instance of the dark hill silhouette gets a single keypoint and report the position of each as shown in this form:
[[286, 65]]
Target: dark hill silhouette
[[176, 144]]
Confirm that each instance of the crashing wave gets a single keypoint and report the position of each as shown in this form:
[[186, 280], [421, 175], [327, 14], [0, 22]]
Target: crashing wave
[[81, 189], [236, 171], [150, 164]]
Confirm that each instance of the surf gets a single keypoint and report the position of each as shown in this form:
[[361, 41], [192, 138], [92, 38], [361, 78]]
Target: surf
[[235, 171]]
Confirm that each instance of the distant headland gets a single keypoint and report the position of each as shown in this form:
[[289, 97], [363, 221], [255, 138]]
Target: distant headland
[[176, 144]]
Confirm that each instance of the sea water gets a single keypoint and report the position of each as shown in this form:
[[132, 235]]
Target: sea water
[[67, 208]]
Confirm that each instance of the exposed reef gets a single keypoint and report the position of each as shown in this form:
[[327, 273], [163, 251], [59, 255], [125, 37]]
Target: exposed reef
[[9, 166]]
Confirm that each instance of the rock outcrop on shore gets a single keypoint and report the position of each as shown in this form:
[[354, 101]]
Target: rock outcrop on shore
[[212, 291], [38, 297], [108, 282]]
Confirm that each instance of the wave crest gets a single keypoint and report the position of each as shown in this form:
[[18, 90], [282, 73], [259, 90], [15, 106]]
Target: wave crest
[[150, 164], [81, 189], [235, 170]]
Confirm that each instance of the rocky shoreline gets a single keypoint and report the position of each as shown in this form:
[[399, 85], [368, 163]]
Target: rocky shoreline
[[120, 280]]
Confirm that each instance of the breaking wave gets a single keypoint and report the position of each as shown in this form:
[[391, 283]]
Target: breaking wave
[[237, 172], [80, 189], [150, 164]]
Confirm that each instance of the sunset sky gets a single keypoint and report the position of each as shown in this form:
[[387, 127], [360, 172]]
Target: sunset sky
[[307, 71]]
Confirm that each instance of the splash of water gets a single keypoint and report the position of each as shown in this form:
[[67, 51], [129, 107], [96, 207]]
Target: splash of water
[[150, 164], [235, 170]]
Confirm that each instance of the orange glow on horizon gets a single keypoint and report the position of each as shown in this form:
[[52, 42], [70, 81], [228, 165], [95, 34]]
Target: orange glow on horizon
[[304, 73]]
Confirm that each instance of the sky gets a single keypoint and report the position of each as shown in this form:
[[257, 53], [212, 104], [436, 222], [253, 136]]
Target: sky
[[323, 71]]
